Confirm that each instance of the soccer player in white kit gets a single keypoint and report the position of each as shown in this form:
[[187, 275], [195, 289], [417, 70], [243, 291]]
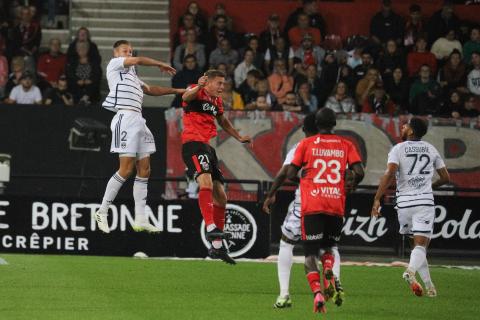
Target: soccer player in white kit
[[131, 138], [413, 162], [291, 228]]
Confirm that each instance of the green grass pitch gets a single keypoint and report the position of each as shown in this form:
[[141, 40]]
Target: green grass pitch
[[78, 287]]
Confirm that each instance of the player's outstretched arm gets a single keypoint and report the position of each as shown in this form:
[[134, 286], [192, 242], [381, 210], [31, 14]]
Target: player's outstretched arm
[[161, 91], [385, 182], [444, 178], [228, 127], [277, 183], [149, 62]]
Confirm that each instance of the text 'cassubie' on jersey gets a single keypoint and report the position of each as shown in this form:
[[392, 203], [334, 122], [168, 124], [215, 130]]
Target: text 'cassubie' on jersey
[[417, 161], [324, 159], [125, 87], [199, 117]]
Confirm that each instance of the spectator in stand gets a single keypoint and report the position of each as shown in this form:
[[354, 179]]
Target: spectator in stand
[[473, 45], [419, 57], [189, 47], [340, 101], [361, 70], [470, 109], [453, 106], [424, 87], [26, 92], [312, 79], [248, 88], [272, 33], [386, 25], [453, 75], [3, 73], [443, 47], [366, 86], [307, 100], [290, 103], [187, 75], [219, 32], [264, 90], [83, 35], [345, 74], [17, 67], [355, 57], [220, 11], [198, 17], [261, 103], [187, 25], [473, 78], [244, 67], [25, 38], [296, 34], [414, 27], [231, 99], [51, 65], [59, 96], [329, 77], [379, 103], [392, 57], [84, 76], [310, 54], [279, 51], [279, 81], [310, 8], [397, 88], [224, 54], [223, 67], [258, 55], [442, 22]]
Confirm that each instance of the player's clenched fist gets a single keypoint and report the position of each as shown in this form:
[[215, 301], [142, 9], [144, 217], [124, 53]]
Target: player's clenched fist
[[202, 81]]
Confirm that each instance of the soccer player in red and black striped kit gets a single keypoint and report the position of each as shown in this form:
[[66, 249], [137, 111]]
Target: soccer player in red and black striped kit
[[202, 104]]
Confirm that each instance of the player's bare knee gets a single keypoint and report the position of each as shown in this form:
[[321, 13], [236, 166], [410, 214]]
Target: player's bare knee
[[204, 181], [311, 263]]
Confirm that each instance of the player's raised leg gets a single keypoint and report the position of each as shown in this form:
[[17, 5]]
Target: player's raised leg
[[418, 257], [113, 186], [140, 191], [313, 275]]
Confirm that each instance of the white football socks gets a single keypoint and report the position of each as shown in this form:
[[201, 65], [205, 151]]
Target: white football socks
[[113, 185], [424, 273], [336, 263], [284, 266], [140, 191], [417, 258]]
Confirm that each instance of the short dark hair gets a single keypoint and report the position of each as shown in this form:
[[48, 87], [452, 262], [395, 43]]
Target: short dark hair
[[213, 73], [325, 118], [190, 56], [309, 124], [119, 43], [419, 127], [220, 16]]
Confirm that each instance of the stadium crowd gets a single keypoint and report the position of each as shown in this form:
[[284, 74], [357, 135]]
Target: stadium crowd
[[30, 75], [414, 64]]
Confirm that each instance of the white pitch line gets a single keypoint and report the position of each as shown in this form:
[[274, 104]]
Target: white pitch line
[[3, 261]]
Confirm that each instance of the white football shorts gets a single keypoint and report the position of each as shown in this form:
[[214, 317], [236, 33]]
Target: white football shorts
[[291, 226], [130, 134], [416, 220]]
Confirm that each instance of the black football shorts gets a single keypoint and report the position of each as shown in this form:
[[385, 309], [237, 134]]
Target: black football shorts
[[201, 158]]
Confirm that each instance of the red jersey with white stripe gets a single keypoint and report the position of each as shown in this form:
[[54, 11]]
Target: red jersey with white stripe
[[199, 117], [323, 159]]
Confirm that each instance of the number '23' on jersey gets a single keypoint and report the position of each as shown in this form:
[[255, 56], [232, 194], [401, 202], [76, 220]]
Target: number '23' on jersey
[[324, 159]]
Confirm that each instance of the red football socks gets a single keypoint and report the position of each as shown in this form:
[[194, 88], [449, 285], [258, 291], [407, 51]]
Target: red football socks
[[314, 281], [327, 261], [219, 216], [205, 201]]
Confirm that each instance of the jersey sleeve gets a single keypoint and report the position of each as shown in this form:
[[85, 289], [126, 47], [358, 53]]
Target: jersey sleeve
[[116, 64], [353, 155], [393, 156], [190, 87], [290, 155], [299, 156]]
